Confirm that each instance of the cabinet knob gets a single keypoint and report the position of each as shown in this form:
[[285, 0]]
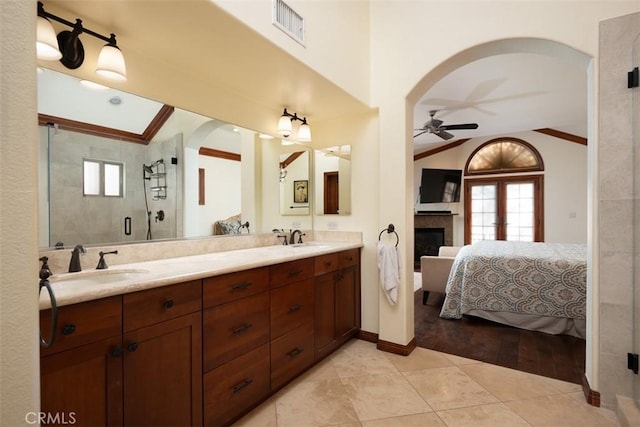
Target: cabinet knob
[[168, 304], [294, 308], [240, 386], [242, 328], [68, 329], [133, 346], [295, 352], [116, 352]]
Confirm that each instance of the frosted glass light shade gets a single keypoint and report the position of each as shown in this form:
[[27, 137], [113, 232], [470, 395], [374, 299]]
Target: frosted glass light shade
[[111, 63], [304, 133], [46, 41], [284, 126]]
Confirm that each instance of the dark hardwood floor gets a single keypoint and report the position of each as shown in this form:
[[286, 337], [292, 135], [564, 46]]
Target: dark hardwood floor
[[555, 356]]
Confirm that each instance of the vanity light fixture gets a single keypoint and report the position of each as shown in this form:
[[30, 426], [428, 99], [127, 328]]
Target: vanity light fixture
[[68, 48], [285, 126]]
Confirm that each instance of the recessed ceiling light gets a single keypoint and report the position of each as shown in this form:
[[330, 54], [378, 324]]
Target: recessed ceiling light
[[92, 85], [115, 100]]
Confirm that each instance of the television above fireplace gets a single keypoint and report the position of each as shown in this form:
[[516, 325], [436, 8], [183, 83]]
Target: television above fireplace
[[440, 185]]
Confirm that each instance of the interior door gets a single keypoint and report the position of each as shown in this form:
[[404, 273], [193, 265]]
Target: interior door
[[504, 208], [331, 193]]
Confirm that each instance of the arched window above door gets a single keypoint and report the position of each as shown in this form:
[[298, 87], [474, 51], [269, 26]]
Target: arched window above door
[[504, 155]]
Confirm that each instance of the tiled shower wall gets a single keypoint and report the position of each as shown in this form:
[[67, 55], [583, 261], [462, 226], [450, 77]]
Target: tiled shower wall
[[615, 206], [76, 219]]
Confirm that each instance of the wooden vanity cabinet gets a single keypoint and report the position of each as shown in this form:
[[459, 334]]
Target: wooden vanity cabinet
[[163, 356], [81, 373], [337, 300], [235, 344]]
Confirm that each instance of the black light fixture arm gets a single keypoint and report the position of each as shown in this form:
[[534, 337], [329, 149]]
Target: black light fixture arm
[[294, 116], [78, 28]]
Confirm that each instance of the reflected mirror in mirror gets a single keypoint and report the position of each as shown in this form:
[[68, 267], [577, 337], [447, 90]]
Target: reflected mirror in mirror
[[294, 183], [332, 179], [136, 170]]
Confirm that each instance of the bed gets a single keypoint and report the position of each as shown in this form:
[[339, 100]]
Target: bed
[[535, 286]]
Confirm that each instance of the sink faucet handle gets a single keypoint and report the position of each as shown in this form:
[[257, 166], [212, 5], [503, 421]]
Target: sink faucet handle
[[300, 237], [45, 271], [102, 264]]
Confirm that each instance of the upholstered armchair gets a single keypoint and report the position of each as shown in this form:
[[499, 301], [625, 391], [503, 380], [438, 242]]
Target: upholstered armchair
[[435, 270]]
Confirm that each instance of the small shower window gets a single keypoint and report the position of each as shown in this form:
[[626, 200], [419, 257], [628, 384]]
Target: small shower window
[[103, 178]]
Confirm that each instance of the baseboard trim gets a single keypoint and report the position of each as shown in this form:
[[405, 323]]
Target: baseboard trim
[[391, 347], [592, 397], [368, 336]]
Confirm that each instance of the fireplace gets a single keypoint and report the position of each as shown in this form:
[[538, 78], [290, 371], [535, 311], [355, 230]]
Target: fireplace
[[427, 241]]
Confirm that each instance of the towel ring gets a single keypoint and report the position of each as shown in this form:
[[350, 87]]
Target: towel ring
[[390, 229]]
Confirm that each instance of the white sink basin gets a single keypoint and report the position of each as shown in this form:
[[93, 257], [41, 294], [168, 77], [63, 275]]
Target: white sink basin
[[97, 277]]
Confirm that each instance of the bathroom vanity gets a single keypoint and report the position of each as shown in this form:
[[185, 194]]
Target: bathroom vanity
[[197, 340]]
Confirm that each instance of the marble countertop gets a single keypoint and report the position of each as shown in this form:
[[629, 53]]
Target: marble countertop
[[71, 288]]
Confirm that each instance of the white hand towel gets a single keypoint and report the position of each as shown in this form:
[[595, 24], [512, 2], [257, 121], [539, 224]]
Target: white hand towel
[[389, 269]]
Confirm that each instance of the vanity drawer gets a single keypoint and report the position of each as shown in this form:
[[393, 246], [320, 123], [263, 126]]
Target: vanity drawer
[[155, 305], [236, 386], [348, 258], [234, 328], [291, 354], [289, 272], [82, 323], [291, 307], [325, 264], [232, 286]]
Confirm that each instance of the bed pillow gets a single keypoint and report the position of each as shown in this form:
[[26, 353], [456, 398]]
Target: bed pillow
[[229, 227]]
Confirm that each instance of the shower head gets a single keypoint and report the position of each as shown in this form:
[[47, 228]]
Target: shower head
[[147, 168]]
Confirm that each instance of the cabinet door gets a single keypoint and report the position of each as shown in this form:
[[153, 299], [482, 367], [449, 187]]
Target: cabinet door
[[163, 373], [325, 319], [83, 385], [347, 304]]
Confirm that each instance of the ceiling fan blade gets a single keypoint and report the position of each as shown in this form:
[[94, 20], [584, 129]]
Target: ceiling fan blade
[[423, 131], [443, 134], [460, 126]]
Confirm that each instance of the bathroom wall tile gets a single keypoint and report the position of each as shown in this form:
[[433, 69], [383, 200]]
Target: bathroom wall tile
[[615, 180], [616, 328], [547, 410], [508, 384], [616, 277], [383, 396], [615, 378], [482, 416], [448, 388], [616, 217]]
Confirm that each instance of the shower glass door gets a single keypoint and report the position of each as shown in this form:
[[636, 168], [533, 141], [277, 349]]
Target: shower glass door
[[635, 128]]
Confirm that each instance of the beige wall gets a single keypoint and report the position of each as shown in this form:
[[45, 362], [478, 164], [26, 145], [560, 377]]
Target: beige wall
[[19, 351]]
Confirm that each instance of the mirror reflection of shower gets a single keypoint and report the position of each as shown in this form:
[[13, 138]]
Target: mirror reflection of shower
[[156, 174]]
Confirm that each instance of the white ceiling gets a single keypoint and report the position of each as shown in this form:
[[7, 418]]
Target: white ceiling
[[505, 94]]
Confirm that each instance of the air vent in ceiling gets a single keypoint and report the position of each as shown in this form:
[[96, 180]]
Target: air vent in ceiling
[[288, 21]]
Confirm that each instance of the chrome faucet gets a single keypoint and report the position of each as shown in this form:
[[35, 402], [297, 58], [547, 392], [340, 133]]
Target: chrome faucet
[[74, 264], [292, 240], [102, 264]]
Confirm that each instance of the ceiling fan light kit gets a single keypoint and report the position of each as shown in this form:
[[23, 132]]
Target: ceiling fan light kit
[[68, 49], [436, 127]]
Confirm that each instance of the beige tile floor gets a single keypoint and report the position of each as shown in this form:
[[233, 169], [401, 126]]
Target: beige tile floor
[[361, 386]]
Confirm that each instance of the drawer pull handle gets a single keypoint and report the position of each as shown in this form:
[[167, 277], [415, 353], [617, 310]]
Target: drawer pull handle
[[242, 328], [294, 308], [349, 258], [295, 352], [295, 272], [168, 304], [240, 386], [117, 352], [240, 286], [68, 329], [328, 263], [133, 346]]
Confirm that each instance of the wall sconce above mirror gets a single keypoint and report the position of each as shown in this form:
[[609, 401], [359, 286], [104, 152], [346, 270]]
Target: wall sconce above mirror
[[285, 126]]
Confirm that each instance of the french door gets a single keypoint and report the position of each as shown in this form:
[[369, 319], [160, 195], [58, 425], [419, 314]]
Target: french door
[[504, 208]]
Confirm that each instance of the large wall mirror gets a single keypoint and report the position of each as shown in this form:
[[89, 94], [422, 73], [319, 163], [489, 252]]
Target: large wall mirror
[[121, 185], [295, 191], [332, 178]]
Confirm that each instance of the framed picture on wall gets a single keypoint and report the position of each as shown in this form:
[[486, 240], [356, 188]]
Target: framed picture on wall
[[300, 191]]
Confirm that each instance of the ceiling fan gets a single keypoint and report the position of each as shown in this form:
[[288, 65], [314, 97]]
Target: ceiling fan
[[435, 127]]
